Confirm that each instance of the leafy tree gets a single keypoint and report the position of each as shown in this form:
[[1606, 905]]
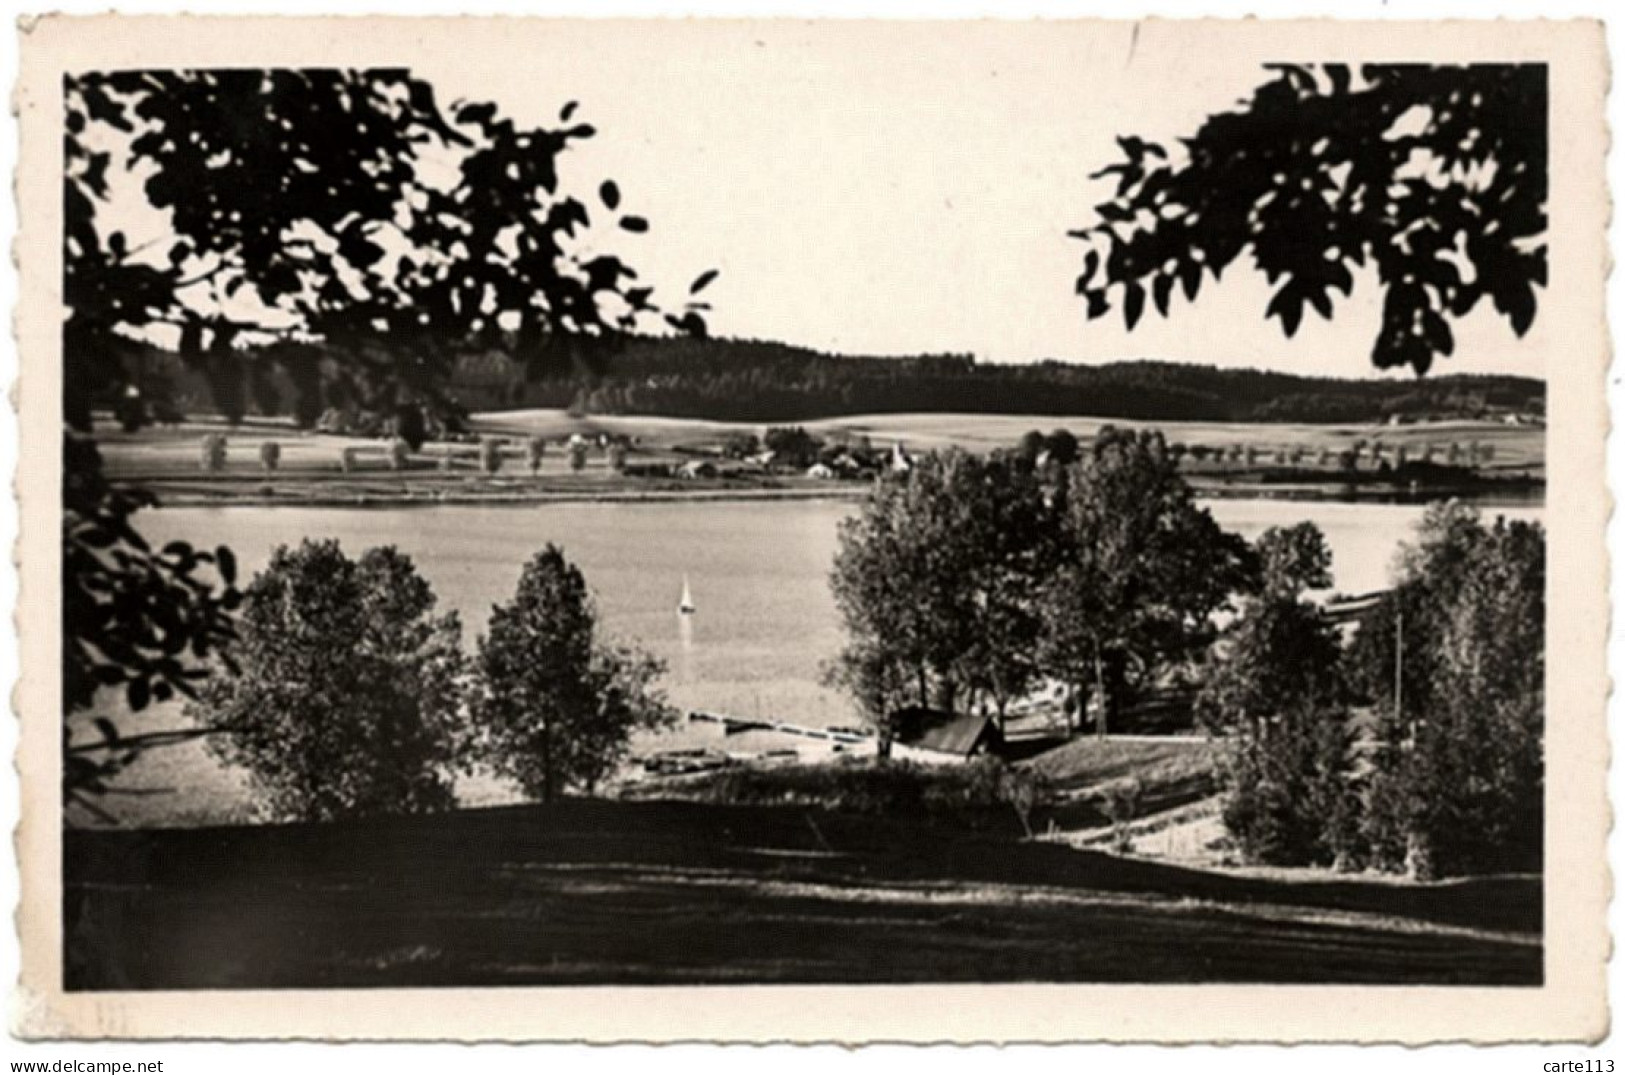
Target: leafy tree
[[213, 452], [1142, 570], [491, 455], [410, 426], [1062, 445], [1458, 786], [270, 455], [556, 707], [937, 581], [792, 444], [1031, 445], [345, 699], [1292, 559], [1274, 691], [741, 445], [1435, 176], [535, 450]]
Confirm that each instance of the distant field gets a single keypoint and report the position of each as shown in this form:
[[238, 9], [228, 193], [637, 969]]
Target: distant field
[[1514, 445], [605, 892]]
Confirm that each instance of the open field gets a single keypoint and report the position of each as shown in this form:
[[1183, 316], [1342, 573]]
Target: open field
[[604, 892]]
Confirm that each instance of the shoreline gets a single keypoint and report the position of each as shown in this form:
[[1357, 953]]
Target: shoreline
[[1531, 494]]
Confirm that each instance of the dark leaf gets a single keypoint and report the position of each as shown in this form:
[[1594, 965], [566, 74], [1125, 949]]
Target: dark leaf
[[226, 561], [1288, 306], [702, 281], [1133, 305], [610, 194], [1161, 288], [479, 113], [635, 224]]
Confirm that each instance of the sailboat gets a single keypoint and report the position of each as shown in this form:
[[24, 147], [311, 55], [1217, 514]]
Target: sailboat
[[685, 604]]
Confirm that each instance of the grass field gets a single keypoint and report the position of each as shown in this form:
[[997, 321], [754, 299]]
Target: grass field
[[608, 892]]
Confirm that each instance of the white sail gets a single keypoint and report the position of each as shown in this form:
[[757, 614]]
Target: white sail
[[685, 606]]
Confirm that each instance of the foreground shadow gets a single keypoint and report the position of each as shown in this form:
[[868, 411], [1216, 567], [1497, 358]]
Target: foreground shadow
[[609, 892]]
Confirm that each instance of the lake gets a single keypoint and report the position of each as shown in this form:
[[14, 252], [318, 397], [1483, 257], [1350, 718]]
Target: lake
[[765, 619]]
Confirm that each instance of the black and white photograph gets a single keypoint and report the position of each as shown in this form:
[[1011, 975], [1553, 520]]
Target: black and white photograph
[[748, 503]]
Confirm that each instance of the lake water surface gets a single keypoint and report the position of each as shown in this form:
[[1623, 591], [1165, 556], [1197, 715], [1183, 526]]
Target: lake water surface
[[765, 619]]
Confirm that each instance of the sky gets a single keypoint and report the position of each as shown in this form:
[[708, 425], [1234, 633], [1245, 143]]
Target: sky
[[897, 189]]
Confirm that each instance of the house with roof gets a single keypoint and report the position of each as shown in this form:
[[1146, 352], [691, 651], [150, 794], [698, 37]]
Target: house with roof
[[937, 735]]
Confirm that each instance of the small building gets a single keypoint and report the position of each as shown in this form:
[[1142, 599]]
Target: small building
[[923, 734]]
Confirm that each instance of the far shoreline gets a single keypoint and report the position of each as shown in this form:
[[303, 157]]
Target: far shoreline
[[1512, 495]]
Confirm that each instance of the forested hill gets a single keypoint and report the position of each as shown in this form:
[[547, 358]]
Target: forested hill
[[748, 380]]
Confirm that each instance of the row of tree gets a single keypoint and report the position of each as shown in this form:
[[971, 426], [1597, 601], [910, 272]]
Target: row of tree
[[350, 694]]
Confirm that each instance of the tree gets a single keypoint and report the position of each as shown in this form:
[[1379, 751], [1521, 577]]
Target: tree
[[741, 445], [535, 450], [1273, 690], [1062, 445], [793, 444], [1292, 559], [1419, 171], [213, 452], [937, 581], [491, 455], [1142, 571], [1031, 445], [345, 699], [1454, 662], [556, 707]]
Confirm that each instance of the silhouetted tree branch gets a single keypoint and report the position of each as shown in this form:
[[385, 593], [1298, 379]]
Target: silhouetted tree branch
[[1434, 177]]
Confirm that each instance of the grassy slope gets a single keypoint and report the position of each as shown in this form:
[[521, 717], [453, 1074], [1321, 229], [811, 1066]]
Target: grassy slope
[[1173, 773], [606, 892]]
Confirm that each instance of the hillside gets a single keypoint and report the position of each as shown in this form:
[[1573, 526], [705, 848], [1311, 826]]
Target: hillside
[[746, 380], [757, 381]]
